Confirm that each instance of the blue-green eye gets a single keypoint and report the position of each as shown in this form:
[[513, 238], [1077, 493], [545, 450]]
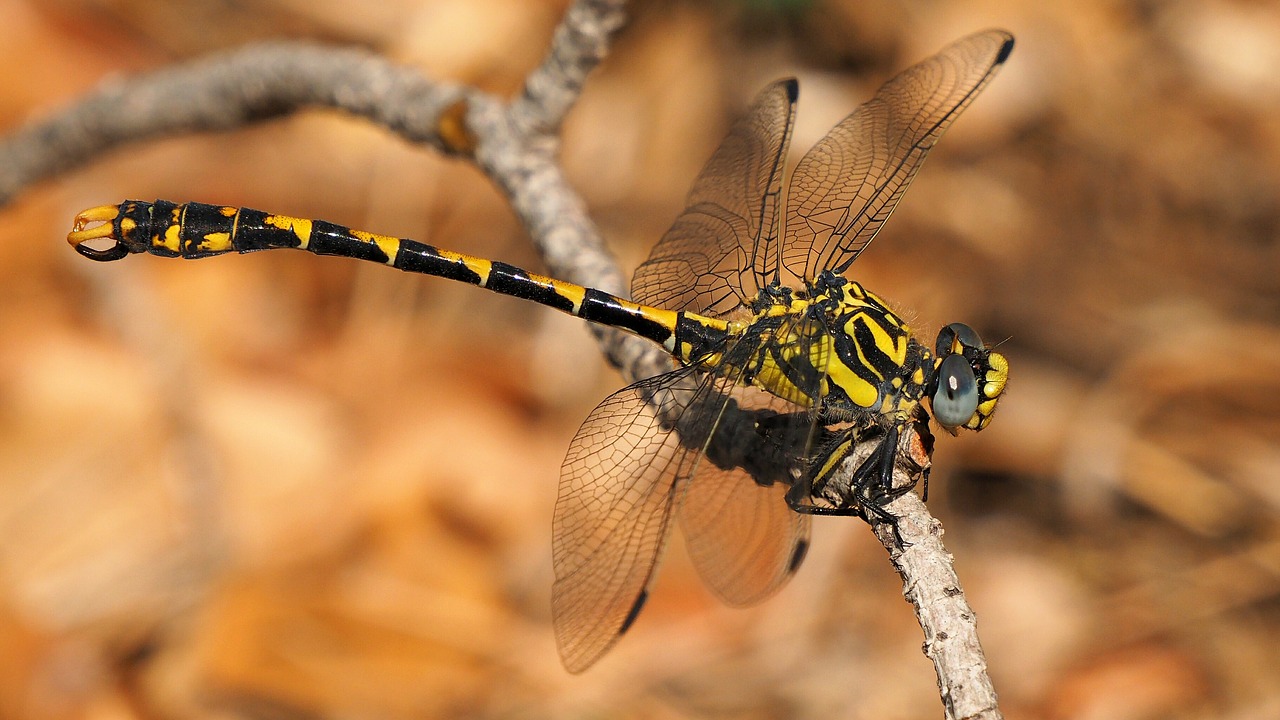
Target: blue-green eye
[[967, 336], [956, 398]]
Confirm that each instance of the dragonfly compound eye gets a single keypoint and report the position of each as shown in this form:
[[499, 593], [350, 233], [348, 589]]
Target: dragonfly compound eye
[[956, 399], [955, 333]]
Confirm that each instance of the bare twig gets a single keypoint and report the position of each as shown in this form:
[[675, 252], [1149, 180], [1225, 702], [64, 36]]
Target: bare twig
[[929, 581], [223, 93], [930, 584], [515, 144], [580, 43]]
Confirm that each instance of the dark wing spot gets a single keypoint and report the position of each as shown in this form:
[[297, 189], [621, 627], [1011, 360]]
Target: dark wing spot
[[1004, 51], [635, 612], [797, 556]]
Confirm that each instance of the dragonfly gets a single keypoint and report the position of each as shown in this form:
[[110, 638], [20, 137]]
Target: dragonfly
[[783, 368]]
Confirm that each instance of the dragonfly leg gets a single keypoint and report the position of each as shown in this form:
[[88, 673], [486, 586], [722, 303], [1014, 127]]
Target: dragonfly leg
[[869, 488]]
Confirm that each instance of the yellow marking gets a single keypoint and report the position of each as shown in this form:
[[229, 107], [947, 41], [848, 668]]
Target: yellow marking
[[917, 377], [573, 293], [905, 405], [997, 377], [862, 393], [772, 379], [228, 211], [665, 318], [301, 228], [388, 245], [170, 240], [215, 242], [481, 268], [797, 308], [127, 227], [896, 406], [895, 348], [849, 327], [834, 458], [985, 408]]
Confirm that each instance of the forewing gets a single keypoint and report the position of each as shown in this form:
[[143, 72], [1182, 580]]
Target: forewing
[[619, 484], [724, 245], [847, 185]]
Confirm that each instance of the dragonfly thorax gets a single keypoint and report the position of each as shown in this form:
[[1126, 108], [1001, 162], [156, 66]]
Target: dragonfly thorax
[[833, 346]]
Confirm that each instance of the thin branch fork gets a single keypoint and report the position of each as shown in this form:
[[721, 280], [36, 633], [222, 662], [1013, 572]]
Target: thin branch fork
[[514, 144]]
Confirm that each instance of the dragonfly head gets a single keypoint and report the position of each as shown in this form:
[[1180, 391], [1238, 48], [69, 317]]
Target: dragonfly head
[[967, 379]]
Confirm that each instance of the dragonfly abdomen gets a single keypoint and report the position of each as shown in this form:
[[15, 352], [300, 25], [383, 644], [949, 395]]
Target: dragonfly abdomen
[[197, 230]]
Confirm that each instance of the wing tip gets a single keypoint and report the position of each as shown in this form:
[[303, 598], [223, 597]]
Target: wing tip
[[1005, 48], [792, 88]]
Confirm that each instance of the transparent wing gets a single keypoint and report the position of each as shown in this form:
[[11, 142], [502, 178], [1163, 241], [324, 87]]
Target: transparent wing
[[724, 245], [847, 185], [743, 537], [619, 485]]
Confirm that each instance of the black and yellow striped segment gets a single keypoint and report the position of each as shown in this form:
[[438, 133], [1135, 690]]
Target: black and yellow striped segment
[[196, 230]]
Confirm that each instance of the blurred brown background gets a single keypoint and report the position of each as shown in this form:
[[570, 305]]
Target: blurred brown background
[[282, 486]]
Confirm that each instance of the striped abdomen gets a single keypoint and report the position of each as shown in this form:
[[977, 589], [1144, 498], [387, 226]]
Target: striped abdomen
[[196, 230]]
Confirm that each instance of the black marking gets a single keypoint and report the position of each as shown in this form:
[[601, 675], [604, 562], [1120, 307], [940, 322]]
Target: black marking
[[875, 357], [847, 355], [195, 220], [253, 233], [634, 612], [836, 397], [799, 370], [797, 556], [601, 307], [872, 364], [419, 257], [701, 339], [1005, 49], [115, 252], [143, 215], [330, 239], [511, 280], [792, 87]]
